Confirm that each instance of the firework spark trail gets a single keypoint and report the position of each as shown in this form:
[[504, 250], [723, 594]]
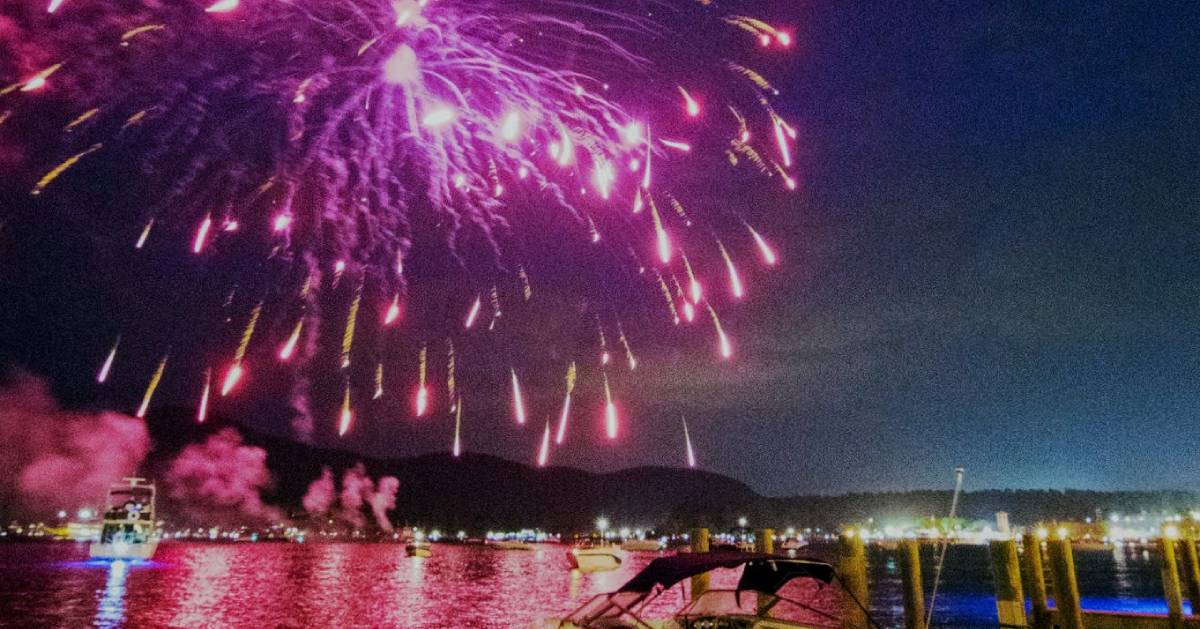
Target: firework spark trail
[[236, 370], [695, 291], [610, 411], [289, 347], [723, 345], [393, 311], [473, 312], [202, 411], [141, 241], [561, 434], [768, 254], [351, 322], [201, 237], [106, 368], [628, 350], [422, 401], [55, 172], [457, 447], [687, 440], [451, 381], [518, 403], [378, 381], [544, 452], [347, 415], [735, 281], [605, 357], [151, 387]]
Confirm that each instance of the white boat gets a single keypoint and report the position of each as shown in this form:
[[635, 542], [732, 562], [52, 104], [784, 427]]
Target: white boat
[[755, 602], [642, 545], [128, 528], [511, 544], [595, 557]]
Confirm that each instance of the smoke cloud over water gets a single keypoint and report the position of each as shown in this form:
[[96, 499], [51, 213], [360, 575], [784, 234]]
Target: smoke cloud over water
[[358, 491], [56, 459], [222, 479]]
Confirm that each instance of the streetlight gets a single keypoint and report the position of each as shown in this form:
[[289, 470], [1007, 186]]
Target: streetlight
[[742, 521]]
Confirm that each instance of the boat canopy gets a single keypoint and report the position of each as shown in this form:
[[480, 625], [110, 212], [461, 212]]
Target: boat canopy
[[763, 572]]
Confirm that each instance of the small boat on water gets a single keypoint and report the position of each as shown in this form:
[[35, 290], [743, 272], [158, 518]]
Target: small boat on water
[[128, 527], [418, 548], [642, 545], [593, 556], [755, 602], [511, 544]]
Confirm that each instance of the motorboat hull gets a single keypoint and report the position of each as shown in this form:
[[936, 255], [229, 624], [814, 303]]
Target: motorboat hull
[[594, 559], [122, 550]]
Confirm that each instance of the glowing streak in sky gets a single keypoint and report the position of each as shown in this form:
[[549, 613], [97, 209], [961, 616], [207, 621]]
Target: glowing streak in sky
[[735, 281], [457, 449], [351, 321], [54, 4], [347, 415], [628, 350], [422, 403], [108, 362], [231, 378], [450, 372], [768, 254], [378, 381], [610, 411], [393, 311], [689, 104], [202, 412], [473, 313], [544, 451], [201, 234], [510, 130], [141, 241], [289, 348], [222, 6], [723, 343], [154, 380], [662, 240], [695, 291], [785, 151], [53, 174], [518, 403], [561, 434], [687, 440], [236, 370]]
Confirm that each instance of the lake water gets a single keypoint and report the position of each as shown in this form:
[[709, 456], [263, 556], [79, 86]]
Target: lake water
[[376, 585]]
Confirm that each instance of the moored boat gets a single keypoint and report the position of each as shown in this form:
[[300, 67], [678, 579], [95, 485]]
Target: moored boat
[[590, 556], [128, 527], [418, 548], [511, 544], [642, 545]]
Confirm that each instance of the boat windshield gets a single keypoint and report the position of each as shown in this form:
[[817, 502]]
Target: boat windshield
[[753, 609], [610, 611]]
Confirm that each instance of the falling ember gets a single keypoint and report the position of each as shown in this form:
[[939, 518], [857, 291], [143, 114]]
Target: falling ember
[[689, 104], [378, 381], [222, 6], [351, 321], [724, 345], [735, 282], [201, 234], [289, 348], [347, 415], [662, 241], [561, 434], [510, 130], [49, 177], [518, 403], [38, 81], [231, 378], [108, 362], [54, 4], [393, 311], [450, 372], [687, 440], [768, 254], [281, 222], [526, 287], [682, 147], [544, 451], [141, 241], [695, 291], [457, 448], [154, 380], [473, 313], [422, 403], [689, 311], [610, 411], [202, 412], [785, 152], [628, 350]]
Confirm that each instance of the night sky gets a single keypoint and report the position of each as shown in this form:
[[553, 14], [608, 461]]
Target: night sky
[[992, 262]]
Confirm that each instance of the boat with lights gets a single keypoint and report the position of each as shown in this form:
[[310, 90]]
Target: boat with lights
[[595, 556], [129, 528]]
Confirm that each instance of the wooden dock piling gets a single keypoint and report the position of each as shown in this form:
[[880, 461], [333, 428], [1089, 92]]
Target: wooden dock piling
[[1066, 587], [1035, 580], [699, 543], [1006, 573], [765, 541], [1170, 578], [852, 570], [914, 592], [1191, 571]]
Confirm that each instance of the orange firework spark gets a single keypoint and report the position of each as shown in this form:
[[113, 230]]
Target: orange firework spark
[[422, 402], [351, 321], [378, 381], [457, 448], [236, 370], [49, 177], [150, 388], [289, 348]]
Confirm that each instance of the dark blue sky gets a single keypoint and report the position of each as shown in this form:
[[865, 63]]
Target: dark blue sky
[[993, 262]]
